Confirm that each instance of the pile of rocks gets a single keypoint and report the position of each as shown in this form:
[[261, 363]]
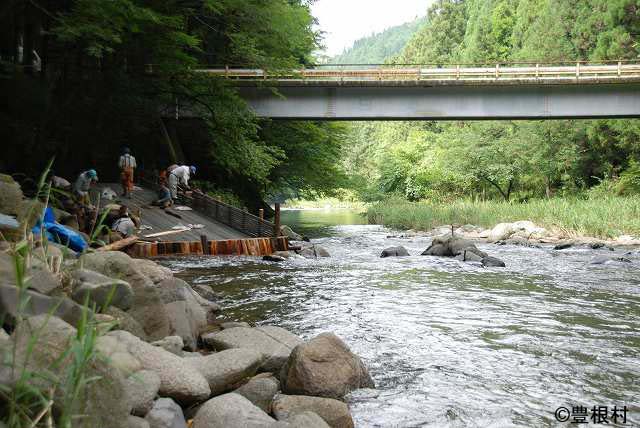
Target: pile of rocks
[[301, 249], [163, 359]]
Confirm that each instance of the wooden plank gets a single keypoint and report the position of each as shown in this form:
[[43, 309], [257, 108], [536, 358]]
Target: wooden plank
[[119, 245]]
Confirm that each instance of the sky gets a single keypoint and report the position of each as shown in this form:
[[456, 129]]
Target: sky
[[345, 21]]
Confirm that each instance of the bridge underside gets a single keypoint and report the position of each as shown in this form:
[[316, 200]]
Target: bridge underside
[[449, 102]]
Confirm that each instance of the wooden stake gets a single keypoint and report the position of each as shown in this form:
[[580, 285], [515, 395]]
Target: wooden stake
[[277, 220]]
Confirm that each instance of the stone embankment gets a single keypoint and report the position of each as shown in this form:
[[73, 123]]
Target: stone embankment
[[164, 355], [166, 359]]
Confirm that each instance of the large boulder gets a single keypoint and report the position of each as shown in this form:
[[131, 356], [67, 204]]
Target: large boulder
[[10, 195], [38, 275], [289, 233], [500, 232], [324, 367], [118, 355], [399, 251], [187, 318], [142, 388], [335, 413], [173, 344], [116, 264], [152, 270], [305, 420], [260, 390], [42, 343], [178, 380], [224, 370], [100, 290], [492, 262], [125, 321], [165, 413], [37, 304], [274, 343], [451, 246], [148, 307], [231, 411], [136, 422]]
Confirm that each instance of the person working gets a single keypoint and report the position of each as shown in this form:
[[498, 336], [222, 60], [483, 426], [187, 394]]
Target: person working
[[83, 184], [179, 176], [124, 224], [164, 197], [127, 165]]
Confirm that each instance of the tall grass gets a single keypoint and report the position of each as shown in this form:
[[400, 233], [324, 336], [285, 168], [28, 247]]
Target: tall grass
[[606, 217]]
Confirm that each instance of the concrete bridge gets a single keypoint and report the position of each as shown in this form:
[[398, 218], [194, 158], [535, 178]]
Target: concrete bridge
[[452, 93]]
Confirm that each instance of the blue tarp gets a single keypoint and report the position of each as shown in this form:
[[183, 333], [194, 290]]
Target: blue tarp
[[60, 234]]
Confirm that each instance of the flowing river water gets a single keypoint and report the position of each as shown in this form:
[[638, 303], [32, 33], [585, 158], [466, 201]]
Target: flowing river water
[[451, 344]]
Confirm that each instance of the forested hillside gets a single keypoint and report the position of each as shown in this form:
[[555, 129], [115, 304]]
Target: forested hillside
[[377, 48], [500, 160], [82, 79]]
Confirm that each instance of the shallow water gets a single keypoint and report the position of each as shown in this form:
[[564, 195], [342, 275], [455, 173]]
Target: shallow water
[[450, 343]]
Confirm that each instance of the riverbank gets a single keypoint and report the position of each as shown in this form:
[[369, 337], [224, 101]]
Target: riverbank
[[606, 218]]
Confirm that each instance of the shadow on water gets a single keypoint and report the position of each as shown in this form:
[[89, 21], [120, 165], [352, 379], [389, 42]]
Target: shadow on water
[[450, 343]]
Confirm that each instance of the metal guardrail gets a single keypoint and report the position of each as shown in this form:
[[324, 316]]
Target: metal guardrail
[[231, 216], [535, 72]]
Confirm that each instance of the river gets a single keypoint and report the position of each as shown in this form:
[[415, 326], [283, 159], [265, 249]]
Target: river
[[451, 344]]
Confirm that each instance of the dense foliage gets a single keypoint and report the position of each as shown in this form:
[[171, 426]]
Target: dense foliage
[[119, 73], [377, 48], [439, 160]]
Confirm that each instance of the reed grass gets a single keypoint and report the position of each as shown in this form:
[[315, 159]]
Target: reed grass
[[606, 217]]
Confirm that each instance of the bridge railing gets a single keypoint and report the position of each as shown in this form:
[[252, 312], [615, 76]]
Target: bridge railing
[[578, 71]]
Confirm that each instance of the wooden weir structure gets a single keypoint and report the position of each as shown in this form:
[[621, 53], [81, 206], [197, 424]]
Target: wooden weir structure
[[252, 235]]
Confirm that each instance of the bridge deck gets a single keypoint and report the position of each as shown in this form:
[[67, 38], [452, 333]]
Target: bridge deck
[[160, 221]]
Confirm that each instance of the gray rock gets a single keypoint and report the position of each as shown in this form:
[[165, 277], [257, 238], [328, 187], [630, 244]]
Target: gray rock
[[324, 367], [41, 342], [231, 411], [274, 343], [185, 314], [285, 254], [173, 344], [4, 336], [118, 355], [273, 258], [205, 292], [233, 324], [10, 195], [289, 233], [126, 322], [165, 413], [178, 380], [152, 270], [40, 278], [394, 252], [142, 388], [313, 251], [224, 370], [136, 422], [321, 251], [451, 247], [492, 262], [306, 420], [148, 308], [260, 390], [469, 256], [564, 245], [38, 304], [100, 290], [335, 413]]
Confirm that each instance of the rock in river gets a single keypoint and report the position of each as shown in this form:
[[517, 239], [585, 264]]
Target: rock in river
[[224, 370], [324, 367], [399, 251]]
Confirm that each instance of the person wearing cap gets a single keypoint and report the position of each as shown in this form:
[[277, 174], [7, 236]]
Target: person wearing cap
[[83, 184], [127, 165], [180, 176]]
